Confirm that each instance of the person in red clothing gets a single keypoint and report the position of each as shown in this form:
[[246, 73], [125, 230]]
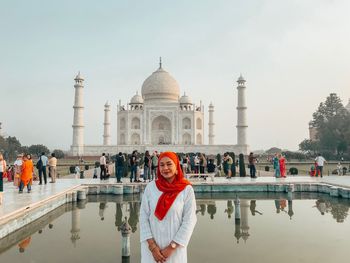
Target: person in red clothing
[[26, 175], [282, 162]]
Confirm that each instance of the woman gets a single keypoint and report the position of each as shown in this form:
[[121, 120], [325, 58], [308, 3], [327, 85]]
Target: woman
[[282, 163], [276, 166], [2, 171], [168, 214], [26, 174]]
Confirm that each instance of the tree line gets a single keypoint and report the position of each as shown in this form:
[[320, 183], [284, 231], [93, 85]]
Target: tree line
[[10, 147]]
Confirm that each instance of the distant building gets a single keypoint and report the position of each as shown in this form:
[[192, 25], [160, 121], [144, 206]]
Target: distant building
[[158, 119]]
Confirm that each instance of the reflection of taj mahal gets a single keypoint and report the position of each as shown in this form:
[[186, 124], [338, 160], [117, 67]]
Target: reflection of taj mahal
[[158, 119]]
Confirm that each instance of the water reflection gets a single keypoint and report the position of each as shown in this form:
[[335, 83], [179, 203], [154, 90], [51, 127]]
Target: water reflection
[[338, 210], [240, 212]]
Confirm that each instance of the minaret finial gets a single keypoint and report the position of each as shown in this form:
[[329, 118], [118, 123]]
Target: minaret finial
[[160, 62]]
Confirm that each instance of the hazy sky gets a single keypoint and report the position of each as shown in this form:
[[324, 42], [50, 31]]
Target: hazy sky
[[293, 54]]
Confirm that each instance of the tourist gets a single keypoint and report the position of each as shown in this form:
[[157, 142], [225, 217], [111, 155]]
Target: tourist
[[52, 168], [252, 161], [119, 167], [26, 175], [282, 164], [41, 166], [103, 163], [168, 214], [18, 169], [95, 171], [276, 166], [2, 171], [133, 161], [320, 162], [227, 162], [147, 166], [202, 163], [76, 172], [196, 164], [185, 161], [154, 166], [339, 169]]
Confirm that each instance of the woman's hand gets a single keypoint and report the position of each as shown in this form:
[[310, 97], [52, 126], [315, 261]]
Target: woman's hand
[[158, 255], [166, 252]]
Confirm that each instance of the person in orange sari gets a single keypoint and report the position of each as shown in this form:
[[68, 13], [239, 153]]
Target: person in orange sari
[[167, 214], [27, 174], [24, 244], [282, 162]]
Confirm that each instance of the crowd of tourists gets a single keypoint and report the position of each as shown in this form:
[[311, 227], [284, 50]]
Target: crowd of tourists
[[22, 172]]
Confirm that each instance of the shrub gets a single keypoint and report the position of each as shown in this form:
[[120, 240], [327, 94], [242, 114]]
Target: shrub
[[72, 169], [293, 171]]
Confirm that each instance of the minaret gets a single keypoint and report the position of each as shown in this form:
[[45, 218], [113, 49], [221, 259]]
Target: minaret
[[107, 126], [241, 116], [211, 124], [77, 148]]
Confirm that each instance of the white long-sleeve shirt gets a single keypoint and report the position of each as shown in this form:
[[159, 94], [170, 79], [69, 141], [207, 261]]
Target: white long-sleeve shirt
[[177, 225]]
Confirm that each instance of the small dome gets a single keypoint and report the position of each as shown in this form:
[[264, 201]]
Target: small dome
[[240, 79], [79, 77], [160, 86], [185, 99], [136, 99]]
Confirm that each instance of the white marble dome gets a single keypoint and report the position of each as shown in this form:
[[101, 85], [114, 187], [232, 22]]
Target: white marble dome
[[160, 86], [136, 99], [185, 99]]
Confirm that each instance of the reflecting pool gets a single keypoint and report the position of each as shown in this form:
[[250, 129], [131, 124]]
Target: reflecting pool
[[231, 228]]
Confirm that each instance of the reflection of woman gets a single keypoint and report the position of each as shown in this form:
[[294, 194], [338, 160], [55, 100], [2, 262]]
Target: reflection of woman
[[24, 244], [168, 214]]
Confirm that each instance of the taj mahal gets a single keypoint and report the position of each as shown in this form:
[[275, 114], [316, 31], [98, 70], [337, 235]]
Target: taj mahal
[[158, 119]]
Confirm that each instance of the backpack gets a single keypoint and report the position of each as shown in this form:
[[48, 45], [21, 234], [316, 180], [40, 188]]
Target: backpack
[[39, 164]]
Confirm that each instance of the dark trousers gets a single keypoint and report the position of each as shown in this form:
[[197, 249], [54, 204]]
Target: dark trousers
[[103, 172], [21, 186], [319, 170], [119, 173], [133, 172], [252, 170], [42, 172]]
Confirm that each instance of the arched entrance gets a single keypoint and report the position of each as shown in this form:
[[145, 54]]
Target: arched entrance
[[161, 130]]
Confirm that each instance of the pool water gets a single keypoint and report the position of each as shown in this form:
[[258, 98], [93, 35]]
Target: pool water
[[271, 228]]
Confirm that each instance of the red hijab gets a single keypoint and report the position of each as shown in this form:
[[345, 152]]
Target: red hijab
[[170, 190]]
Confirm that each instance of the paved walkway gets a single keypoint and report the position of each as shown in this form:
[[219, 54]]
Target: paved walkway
[[13, 201]]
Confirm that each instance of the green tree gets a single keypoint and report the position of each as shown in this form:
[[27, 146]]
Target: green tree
[[58, 153], [332, 122], [309, 146], [37, 149]]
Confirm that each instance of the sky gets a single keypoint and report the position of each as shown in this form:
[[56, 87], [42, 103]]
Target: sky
[[292, 53]]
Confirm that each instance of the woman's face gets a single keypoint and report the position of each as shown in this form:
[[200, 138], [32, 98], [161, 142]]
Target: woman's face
[[167, 168]]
